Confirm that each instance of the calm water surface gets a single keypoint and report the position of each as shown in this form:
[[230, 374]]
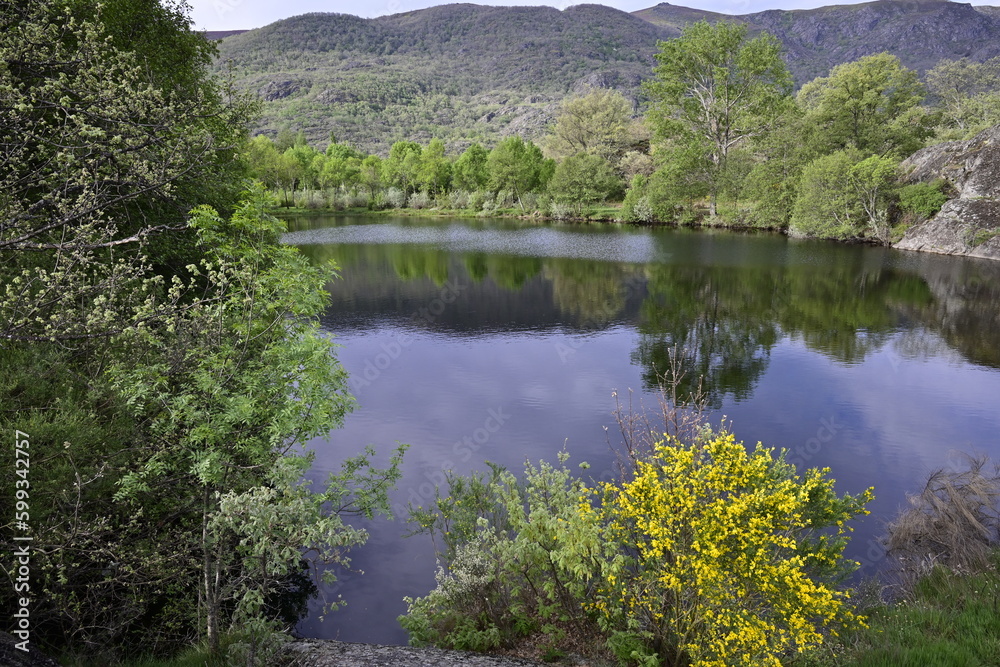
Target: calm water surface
[[501, 341]]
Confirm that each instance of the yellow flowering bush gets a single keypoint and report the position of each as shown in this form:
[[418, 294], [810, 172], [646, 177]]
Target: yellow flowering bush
[[704, 554], [724, 556]]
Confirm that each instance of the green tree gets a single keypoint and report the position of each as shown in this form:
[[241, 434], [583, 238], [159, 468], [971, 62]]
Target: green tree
[[846, 195], [151, 346], [290, 174], [517, 166], [583, 179], [968, 94], [876, 182], [340, 172], [596, 123], [305, 155], [101, 166], [284, 140], [826, 206], [225, 416], [714, 88], [434, 172], [683, 176], [470, 171], [372, 174], [264, 161], [772, 182], [871, 104], [402, 167]]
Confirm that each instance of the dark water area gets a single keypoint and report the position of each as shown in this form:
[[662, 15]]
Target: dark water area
[[485, 340]]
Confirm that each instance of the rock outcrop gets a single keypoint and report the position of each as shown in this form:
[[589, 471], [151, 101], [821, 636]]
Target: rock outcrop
[[969, 224]]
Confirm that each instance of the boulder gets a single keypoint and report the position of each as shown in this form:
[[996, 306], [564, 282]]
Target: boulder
[[11, 656], [968, 224]]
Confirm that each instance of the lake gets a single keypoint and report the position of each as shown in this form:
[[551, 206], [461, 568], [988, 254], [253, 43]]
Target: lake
[[494, 340]]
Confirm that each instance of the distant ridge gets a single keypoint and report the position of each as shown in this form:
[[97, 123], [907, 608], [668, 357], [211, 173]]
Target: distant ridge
[[466, 72], [919, 32], [215, 35]]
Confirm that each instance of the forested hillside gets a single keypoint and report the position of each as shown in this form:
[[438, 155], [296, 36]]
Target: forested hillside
[[462, 73], [466, 73]]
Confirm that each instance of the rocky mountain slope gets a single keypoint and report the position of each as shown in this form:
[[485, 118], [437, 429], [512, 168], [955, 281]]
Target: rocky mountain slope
[[465, 72], [920, 32], [968, 224]]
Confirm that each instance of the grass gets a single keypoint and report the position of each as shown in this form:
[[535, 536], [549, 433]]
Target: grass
[[193, 656], [951, 620]]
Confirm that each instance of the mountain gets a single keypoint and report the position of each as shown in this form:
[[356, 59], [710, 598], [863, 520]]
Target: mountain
[[465, 72], [460, 72], [919, 32], [214, 35]]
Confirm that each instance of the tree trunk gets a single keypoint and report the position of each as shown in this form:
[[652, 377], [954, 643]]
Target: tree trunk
[[210, 589]]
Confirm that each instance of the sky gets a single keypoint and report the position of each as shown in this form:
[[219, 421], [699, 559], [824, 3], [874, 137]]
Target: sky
[[246, 14]]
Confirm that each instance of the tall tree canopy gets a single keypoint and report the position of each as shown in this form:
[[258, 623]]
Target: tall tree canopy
[[715, 87], [871, 104], [596, 123]]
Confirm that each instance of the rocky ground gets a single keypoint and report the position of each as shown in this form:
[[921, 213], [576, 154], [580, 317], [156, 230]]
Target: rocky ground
[[329, 653]]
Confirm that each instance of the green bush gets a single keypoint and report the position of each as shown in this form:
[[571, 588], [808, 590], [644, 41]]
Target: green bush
[[704, 554], [923, 199]]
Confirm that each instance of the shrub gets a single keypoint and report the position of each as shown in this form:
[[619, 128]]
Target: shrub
[[705, 554], [721, 554], [529, 201], [846, 195], [458, 199], [923, 199], [560, 210], [826, 206], [488, 204], [395, 198], [636, 206], [518, 555], [954, 521], [505, 199], [356, 200], [478, 198], [420, 200], [334, 200]]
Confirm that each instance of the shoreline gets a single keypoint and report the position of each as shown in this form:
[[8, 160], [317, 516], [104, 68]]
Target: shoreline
[[905, 244]]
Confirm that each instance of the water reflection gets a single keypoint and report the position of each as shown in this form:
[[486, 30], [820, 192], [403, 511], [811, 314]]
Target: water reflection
[[443, 321], [724, 316]]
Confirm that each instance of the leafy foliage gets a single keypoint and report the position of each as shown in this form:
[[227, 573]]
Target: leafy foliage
[[168, 366], [583, 179], [870, 104], [705, 555], [923, 199], [845, 196], [722, 555], [717, 87]]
